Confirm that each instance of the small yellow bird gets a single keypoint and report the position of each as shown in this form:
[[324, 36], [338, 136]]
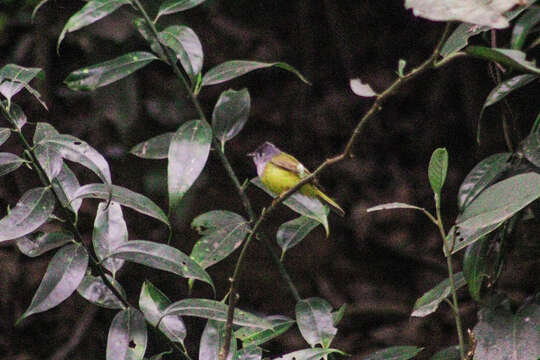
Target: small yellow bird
[[280, 171]]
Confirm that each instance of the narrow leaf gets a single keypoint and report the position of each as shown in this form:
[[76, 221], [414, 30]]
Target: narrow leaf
[[505, 88], [9, 162], [230, 114], [394, 205], [309, 354], [4, 135], [395, 353], [187, 47], [293, 232], [512, 58], [127, 336], [314, 318], [523, 26], [154, 148], [361, 89], [110, 231], [429, 302], [93, 289], [34, 245], [174, 6], [438, 166], [252, 336], [212, 341], [65, 185], [338, 315]]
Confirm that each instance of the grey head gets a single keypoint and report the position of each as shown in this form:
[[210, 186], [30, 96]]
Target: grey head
[[262, 155]]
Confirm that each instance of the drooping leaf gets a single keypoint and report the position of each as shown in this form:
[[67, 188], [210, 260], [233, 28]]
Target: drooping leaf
[[93, 289], [293, 232], [9, 162], [14, 78], [65, 185], [4, 135], [17, 114], [95, 76], [302, 204], [212, 341], [450, 353], [252, 336], [235, 68], [64, 274], [523, 26], [214, 310], [110, 231], [512, 58], [500, 201], [480, 177], [314, 318], [361, 89], [187, 47], [230, 114], [188, 152], [429, 302], [223, 232], [125, 197], [174, 6], [33, 245], [161, 257], [395, 353], [50, 159], [531, 148], [438, 167], [152, 303], [93, 11], [249, 353], [32, 211], [127, 336], [154, 148], [475, 266], [309, 354]]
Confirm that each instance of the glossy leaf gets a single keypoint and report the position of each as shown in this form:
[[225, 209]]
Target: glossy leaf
[[475, 266], [32, 211], [174, 6], [93, 289], [14, 78], [480, 177], [252, 336], [309, 354], [5, 133], [33, 245], [110, 231], [293, 232], [466, 236], [187, 47], [249, 353], [512, 58], [146, 32], [361, 89], [395, 353], [95, 76], [314, 318], [188, 152], [9, 162], [501, 334], [17, 115], [161, 257], [230, 114], [438, 167], [65, 185], [127, 336], [235, 68], [223, 232], [505, 88], [450, 353], [531, 148], [152, 303], [429, 302], [154, 148], [488, 209], [50, 159], [212, 341], [64, 274], [523, 26], [302, 204], [214, 310], [123, 196], [93, 11]]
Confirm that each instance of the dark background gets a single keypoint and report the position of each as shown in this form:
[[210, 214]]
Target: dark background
[[378, 263]]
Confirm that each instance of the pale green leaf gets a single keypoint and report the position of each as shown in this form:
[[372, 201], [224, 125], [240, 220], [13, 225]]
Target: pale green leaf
[[36, 244], [254, 336], [127, 337], [93, 289], [110, 231], [438, 167], [154, 148], [293, 232], [429, 302], [314, 319], [230, 114], [187, 47], [9, 162]]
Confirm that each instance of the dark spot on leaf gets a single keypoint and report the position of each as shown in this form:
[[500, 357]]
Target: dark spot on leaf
[[132, 344], [77, 143]]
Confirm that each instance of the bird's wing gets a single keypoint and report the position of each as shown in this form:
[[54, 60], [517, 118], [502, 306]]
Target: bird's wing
[[290, 163]]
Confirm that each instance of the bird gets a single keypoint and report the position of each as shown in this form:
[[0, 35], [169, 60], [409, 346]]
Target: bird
[[280, 171]]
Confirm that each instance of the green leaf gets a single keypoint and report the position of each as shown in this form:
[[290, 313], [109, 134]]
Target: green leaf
[[127, 336], [475, 266], [95, 76], [512, 58], [501, 334], [187, 47], [480, 177], [395, 353], [188, 152], [64, 274], [214, 310], [235, 68], [429, 302], [531, 148], [523, 26], [9, 162], [438, 167], [501, 201], [293, 232], [338, 315], [174, 6], [65, 185], [13, 78], [4, 135], [252, 336], [249, 353], [37, 7], [32, 211], [17, 114], [146, 32], [394, 205], [110, 231], [470, 11], [213, 340], [309, 354], [361, 89], [314, 318], [50, 159], [36, 244], [125, 197], [450, 353], [93, 289], [302, 204], [43, 132], [466, 237], [93, 11], [154, 148], [161, 257], [152, 303], [230, 114], [223, 232], [76, 150], [460, 38]]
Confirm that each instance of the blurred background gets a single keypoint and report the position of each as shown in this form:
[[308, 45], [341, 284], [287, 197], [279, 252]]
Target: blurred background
[[377, 263]]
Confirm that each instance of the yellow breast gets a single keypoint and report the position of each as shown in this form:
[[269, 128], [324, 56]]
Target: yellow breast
[[280, 180]]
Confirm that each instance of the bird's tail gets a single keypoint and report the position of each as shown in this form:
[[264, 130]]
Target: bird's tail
[[331, 203]]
